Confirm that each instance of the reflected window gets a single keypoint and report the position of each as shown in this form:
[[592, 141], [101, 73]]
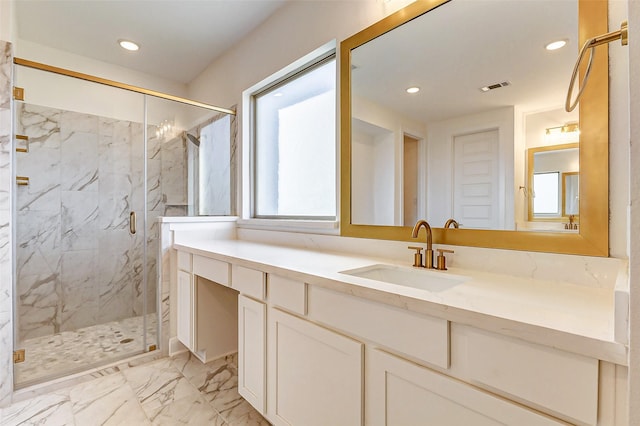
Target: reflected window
[[546, 193], [294, 144]]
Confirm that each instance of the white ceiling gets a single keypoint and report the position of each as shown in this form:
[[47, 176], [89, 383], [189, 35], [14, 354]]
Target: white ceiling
[[463, 45], [178, 38]]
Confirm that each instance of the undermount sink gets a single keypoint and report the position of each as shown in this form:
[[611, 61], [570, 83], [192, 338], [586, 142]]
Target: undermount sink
[[420, 278]]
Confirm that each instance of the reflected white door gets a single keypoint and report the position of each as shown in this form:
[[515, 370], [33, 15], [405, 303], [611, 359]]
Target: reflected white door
[[475, 180]]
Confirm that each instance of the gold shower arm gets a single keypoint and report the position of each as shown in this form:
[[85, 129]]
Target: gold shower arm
[[622, 34]]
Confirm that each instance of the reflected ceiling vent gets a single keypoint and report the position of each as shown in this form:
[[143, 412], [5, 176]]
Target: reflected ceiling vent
[[495, 86]]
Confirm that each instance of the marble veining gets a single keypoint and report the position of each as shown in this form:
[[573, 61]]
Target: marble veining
[[163, 392], [174, 171], [77, 264], [6, 222], [6, 61]]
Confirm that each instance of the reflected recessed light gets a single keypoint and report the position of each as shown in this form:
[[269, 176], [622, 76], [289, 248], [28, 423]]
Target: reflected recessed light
[[555, 45], [129, 45], [413, 89], [278, 94]]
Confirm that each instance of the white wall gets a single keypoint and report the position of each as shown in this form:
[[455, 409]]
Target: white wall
[[633, 50], [386, 169], [440, 158], [537, 123], [619, 132], [271, 47], [55, 91], [372, 176], [293, 31], [50, 56], [378, 115], [8, 28]]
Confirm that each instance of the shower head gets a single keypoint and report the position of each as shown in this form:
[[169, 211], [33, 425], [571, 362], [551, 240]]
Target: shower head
[[194, 140]]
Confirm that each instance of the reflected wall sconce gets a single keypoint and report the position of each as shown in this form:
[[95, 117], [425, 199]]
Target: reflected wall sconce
[[570, 132], [567, 128], [165, 130]]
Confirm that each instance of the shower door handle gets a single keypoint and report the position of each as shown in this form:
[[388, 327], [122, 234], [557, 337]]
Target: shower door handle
[[132, 222]]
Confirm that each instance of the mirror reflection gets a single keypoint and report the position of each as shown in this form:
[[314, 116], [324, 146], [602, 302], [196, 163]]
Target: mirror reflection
[[444, 114], [553, 184]]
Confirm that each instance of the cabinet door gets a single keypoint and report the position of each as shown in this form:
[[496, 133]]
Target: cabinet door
[[403, 393], [184, 309], [314, 375], [252, 351]]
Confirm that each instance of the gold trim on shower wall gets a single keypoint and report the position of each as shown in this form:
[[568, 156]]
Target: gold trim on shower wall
[[593, 236], [26, 143], [100, 80]]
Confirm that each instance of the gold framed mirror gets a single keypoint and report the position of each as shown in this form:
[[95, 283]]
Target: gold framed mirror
[[553, 183], [592, 235]]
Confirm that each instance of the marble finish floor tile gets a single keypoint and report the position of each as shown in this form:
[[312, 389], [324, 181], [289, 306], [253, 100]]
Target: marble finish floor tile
[[158, 384], [69, 352], [106, 401], [170, 391], [52, 409]]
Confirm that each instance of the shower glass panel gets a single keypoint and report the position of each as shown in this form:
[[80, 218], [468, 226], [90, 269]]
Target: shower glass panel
[[82, 300], [191, 162]]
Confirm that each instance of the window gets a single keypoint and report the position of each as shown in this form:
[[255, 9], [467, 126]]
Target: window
[[546, 199], [294, 144]]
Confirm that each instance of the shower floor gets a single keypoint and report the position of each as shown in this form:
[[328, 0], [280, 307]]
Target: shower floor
[[69, 352]]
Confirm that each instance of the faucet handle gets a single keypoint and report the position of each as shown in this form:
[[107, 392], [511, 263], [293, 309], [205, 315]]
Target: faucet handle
[[417, 256], [441, 261]]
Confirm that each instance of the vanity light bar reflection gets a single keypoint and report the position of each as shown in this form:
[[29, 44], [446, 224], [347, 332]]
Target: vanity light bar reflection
[[567, 128], [562, 134]]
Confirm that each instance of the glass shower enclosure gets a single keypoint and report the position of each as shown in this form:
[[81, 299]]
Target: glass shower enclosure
[[96, 166]]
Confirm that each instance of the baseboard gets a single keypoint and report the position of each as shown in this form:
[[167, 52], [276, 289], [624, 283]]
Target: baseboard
[[176, 346]]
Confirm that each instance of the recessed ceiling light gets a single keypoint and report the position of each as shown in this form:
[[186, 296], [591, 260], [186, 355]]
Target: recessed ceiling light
[[413, 89], [555, 45], [278, 94], [128, 45]]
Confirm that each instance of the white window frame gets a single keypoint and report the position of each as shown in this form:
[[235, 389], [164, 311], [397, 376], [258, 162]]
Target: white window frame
[[246, 219], [558, 212]]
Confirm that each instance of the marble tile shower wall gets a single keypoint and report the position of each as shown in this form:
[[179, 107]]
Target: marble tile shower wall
[[77, 263], [6, 285]]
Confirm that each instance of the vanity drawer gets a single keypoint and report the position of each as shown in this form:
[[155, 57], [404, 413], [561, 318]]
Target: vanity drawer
[[248, 281], [401, 331], [288, 294], [551, 379], [184, 261], [211, 269]]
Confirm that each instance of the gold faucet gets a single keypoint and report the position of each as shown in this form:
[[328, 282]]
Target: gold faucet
[[450, 222], [429, 252], [571, 224]]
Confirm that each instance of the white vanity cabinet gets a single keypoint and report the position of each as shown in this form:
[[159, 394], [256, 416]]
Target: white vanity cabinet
[[314, 374], [252, 333], [252, 369], [206, 310], [312, 353], [399, 392], [185, 299], [293, 371]]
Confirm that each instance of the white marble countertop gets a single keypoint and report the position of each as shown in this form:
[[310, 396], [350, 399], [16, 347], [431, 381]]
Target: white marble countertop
[[566, 316]]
